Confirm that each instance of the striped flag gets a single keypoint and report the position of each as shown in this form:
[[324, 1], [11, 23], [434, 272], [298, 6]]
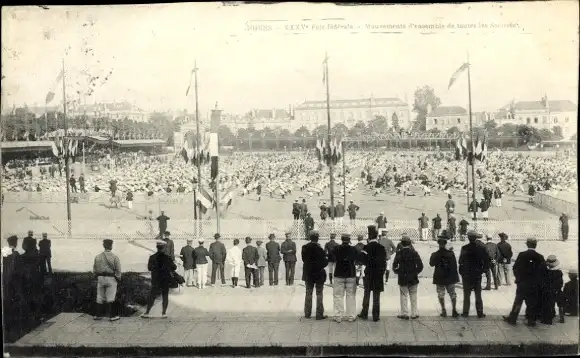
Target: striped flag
[[456, 74], [194, 70], [478, 149], [213, 142], [54, 149], [459, 149], [184, 153], [205, 200], [319, 149], [51, 92]]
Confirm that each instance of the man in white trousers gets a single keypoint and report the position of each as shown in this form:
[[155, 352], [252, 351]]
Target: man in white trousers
[[201, 254], [234, 258]]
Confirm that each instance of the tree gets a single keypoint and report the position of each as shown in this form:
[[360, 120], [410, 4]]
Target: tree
[[545, 134], [358, 130], [395, 122], [528, 133], [302, 132], [377, 125], [320, 131], [284, 133], [436, 130], [558, 132], [225, 135], [507, 130], [490, 125], [424, 97], [339, 130]]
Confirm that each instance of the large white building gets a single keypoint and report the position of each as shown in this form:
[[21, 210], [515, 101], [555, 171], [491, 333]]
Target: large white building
[[541, 114], [312, 114], [275, 119], [444, 118]]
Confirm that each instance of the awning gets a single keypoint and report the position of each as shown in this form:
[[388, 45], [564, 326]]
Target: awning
[[26, 146], [98, 139]]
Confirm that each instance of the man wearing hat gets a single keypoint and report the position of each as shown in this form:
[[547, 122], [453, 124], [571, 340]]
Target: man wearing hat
[[381, 221], [45, 254], [374, 258], [390, 250], [569, 299], [308, 224], [29, 241], [262, 262], [201, 254], [107, 268], [296, 209], [162, 268], [234, 258], [188, 258], [504, 259], [359, 266], [288, 249], [273, 257], [551, 291], [529, 272], [250, 258], [445, 275], [169, 247], [564, 228], [314, 275], [491, 249], [473, 263], [162, 221], [339, 211], [217, 254], [352, 209], [407, 265], [329, 248], [345, 280]]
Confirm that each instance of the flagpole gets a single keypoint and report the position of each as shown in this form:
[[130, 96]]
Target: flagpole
[[466, 175], [343, 176], [330, 164], [471, 134], [197, 208], [66, 151]]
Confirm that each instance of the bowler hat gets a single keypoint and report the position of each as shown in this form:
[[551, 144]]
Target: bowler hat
[[442, 241], [531, 240], [473, 234], [107, 242], [503, 235], [167, 233], [345, 237], [552, 261], [217, 236], [405, 238]]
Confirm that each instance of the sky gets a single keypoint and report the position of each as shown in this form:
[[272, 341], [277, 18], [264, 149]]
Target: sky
[[151, 50]]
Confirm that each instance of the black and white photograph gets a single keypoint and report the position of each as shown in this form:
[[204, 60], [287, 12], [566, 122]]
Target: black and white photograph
[[290, 179]]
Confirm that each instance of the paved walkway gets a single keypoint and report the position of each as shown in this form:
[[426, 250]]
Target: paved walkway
[[79, 334]]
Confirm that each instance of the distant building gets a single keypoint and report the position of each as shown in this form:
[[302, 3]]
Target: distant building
[[543, 114], [446, 117], [258, 119], [115, 110], [312, 114]]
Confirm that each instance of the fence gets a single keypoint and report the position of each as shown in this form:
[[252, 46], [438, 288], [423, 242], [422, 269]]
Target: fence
[[565, 203], [241, 228], [102, 197]]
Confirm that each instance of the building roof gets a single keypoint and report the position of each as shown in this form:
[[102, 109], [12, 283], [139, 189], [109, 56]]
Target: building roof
[[555, 106], [447, 111], [353, 103], [138, 142]]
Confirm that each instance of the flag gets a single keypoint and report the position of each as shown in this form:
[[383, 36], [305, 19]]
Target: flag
[[190, 78], [26, 135], [478, 149], [213, 142], [54, 149], [334, 152], [464, 147], [484, 149], [50, 94], [459, 149], [319, 149], [184, 153], [205, 200], [456, 74], [339, 151]]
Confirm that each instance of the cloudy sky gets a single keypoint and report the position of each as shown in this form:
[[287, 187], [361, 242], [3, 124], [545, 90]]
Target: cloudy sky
[[151, 49]]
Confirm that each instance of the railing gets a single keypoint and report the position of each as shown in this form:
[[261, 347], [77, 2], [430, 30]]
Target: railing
[[565, 202], [254, 228]]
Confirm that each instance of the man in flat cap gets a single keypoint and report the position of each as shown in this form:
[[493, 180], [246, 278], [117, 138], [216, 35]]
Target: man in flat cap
[[473, 263], [107, 268], [45, 254], [345, 280], [162, 220], [169, 245], [314, 275], [201, 255], [217, 254], [188, 258], [273, 258], [529, 272], [564, 228], [29, 241], [329, 248], [374, 258], [288, 249], [445, 275], [504, 259]]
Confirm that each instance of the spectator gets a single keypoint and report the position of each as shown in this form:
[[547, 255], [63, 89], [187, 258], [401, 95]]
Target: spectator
[[424, 227], [308, 224], [408, 265], [529, 271], [390, 250], [451, 227], [262, 262], [129, 199], [169, 246], [217, 254], [473, 262], [107, 268], [504, 259], [329, 251], [564, 228], [492, 252], [381, 221], [45, 254], [234, 258], [551, 291], [288, 249], [374, 258], [497, 194], [273, 258], [569, 298], [161, 267], [345, 281], [445, 275], [463, 228], [29, 241], [188, 258], [162, 221], [250, 257], [201, 254], [314, 275], [359, 265], [436, 227]]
